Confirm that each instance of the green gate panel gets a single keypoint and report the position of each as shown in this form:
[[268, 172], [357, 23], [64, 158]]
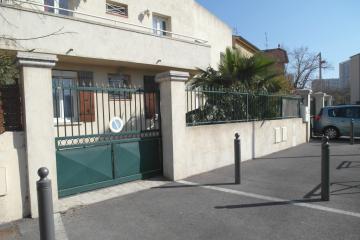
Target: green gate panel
[[137, 158], [83, 166]]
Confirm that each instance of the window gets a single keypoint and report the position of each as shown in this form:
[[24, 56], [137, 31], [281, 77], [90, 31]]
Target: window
[[119, 81], [52, 6], [345, 112], [64, 99], [353, 112], [160, 24], [116, 9]]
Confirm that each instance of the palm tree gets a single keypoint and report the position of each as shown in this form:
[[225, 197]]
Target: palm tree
[[238, 72]]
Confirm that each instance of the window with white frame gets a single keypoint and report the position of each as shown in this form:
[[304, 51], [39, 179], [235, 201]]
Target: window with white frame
[[160, 25], [54, 5], [116, 8], [64, 99]]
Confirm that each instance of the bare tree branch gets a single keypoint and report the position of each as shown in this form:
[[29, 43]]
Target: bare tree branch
[[56, 33], [304, 66]]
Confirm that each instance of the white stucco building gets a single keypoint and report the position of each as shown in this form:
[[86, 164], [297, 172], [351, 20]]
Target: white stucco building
[[104, 102], [91, 43]]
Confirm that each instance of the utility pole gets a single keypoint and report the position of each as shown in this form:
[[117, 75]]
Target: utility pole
[[321, 62], [320, 72]]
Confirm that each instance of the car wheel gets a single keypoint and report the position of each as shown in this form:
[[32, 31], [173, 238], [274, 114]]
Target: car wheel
[[331, 132]]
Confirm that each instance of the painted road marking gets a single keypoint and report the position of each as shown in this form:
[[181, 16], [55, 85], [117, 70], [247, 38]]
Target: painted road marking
[[274, 199]]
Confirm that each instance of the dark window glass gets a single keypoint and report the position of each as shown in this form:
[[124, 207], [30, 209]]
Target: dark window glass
[[337, 112], [346, 112], [65, 5], [49, 3], [357, 112], [353, 112]]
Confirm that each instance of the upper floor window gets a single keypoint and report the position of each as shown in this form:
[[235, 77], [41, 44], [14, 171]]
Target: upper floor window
[[54, 5], [116, 8], [161, 25]]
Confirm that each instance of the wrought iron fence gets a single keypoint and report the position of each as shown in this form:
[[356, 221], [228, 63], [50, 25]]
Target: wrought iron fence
[[212, 106], [82, 114]]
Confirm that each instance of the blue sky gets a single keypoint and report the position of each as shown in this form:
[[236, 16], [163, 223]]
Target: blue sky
[[329, 26]]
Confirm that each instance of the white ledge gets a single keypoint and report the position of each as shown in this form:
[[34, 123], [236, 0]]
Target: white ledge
[[172, 76], [36, 59]]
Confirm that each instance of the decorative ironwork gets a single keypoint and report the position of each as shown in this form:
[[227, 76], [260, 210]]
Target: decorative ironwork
[[82, 113], [213, 106]]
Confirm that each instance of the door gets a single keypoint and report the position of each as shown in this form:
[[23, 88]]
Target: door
[[338, 117], [150, 98], [86, 98]]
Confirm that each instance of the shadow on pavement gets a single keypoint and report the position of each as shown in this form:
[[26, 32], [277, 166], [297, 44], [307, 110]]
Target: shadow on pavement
[[349, 164], [314, 156], [346, 188], [266, 204], [313, 193]]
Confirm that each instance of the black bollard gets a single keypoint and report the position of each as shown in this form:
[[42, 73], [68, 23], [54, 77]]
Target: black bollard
[[352, 132], [45, 206], [237, 157], [325, 169]]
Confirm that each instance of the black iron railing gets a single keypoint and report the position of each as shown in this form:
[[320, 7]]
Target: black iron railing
[[82, 114], [212, 106]]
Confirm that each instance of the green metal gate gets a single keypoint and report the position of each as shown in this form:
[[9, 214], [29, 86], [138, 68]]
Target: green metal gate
[[89, 156]]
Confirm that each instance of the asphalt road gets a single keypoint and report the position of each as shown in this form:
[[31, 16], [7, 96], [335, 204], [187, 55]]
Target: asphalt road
[[278, 199]]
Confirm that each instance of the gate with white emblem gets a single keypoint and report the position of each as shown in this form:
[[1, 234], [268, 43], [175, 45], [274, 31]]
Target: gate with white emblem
[[105, 135]]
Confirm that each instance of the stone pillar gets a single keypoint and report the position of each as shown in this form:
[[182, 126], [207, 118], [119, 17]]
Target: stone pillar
[[36, 81], [328, 100], [305, 110], [173, 122], [319, 101]]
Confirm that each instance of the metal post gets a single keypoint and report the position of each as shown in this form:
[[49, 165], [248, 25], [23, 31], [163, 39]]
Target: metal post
[[45, 206], [325, 169], [352, 133], [237, 157]]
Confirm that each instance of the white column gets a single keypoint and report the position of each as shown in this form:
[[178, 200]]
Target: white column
[[173, 122], [319, 101], [38, 120], [305, 109]]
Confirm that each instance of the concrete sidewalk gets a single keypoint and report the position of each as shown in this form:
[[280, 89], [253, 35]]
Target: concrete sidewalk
[[278, 199]]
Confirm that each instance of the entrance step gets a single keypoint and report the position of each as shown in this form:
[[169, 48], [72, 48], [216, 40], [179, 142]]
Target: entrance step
[[88, 198]]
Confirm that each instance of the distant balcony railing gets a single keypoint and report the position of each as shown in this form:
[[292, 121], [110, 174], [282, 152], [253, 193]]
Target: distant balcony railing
[[130, 26]]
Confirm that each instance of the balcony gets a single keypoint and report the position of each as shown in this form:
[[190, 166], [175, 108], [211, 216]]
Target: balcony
[[31, 26]]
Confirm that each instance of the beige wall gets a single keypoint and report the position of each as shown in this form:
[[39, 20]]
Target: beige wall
[[355, 78], [243, 50], [212, 146], [110, 40], [12, 177]]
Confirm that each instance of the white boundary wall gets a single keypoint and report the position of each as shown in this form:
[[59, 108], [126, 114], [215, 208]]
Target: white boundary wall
[[13, 184], [212, 146], [192, 150]]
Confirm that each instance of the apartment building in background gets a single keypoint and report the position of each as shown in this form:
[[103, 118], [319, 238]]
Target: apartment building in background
[[355, 78], [344, 74], [326, 85]]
